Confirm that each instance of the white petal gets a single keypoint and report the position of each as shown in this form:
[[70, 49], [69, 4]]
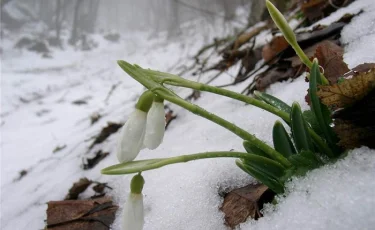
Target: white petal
[[155, 126], [133, 213], [131, 137]]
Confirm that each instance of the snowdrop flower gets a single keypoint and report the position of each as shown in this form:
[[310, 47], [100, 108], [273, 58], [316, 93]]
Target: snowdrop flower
[[133, 217], [155, 125], [133, 132]]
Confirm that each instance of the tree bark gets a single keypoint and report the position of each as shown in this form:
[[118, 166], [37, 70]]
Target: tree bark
[[74, 37], [257, 9], [174, 21]]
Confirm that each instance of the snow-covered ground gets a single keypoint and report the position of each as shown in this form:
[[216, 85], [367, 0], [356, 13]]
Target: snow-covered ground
[[37, 115]]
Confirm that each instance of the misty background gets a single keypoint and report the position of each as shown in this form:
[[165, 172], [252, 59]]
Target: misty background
[[59, 23]]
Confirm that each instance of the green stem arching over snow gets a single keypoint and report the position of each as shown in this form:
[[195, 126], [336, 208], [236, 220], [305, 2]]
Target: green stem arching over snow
[[150, 164], [175, 80], [226, 124], [155, 85]]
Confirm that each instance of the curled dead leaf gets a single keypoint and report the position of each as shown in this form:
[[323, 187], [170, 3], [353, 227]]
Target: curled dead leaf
[[348, 91], [95, 214], [274, 47], [245, 202], [77, 188], [330, 57]]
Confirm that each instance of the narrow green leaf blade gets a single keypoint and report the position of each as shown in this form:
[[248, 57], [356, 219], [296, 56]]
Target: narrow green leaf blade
[[321, 111], [267, 166], [274, 101], [270, 182], [301, 136], [250, 148], [135, 166], [281, 140]]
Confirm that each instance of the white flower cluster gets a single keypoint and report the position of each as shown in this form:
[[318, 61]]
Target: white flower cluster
[[141, 130]]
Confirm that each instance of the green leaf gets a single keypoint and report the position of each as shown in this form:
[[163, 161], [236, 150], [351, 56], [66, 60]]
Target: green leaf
[[281, 140], [274, 101], [301, 136], [269, 181], [250, 148], [144, 165], [135, 166], [305, 160], [321, 112], [266, 166], [311, 119]]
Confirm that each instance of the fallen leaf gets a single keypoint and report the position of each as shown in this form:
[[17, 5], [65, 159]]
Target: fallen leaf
[[58, 148], [317, 9], [95, 214], [194, 95], [348, 91], [330, 57], [169, 117], [91, 162], [22, 173], [353, 101], [106, 132], [245, 37], [99, 187], [362, 68], [278, 73], [274, 47], [95, 117], [78, 188], [312, 9], [355, 125], [245, 202]]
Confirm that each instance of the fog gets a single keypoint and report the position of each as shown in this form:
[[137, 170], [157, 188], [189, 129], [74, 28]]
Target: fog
[[123, 16]]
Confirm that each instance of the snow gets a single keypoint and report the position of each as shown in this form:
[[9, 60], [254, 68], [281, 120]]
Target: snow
[[338, 196], [182, 196]]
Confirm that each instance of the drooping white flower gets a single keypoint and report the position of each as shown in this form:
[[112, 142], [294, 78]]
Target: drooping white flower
[[131, 137], [133, 209], [155, 125], [133, 212]]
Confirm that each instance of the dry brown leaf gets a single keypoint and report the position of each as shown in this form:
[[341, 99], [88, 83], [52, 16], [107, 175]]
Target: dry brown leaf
[[273, 75], [78, 188], [330, 57], [107, 131], [355, 125], [241, 203], [353, 136], [347, 92], [90, 163], [362, 68], [245, 37], [275, 46], [95, 214], [312, 9], [316, 9]]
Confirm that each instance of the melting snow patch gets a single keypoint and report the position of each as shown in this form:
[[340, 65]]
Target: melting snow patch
[[338, 196]]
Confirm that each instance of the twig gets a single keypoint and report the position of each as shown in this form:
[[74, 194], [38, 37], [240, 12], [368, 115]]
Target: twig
[[111, 91], [206, 11]]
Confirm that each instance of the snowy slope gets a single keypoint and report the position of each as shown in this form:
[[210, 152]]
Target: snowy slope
[[184, 196]]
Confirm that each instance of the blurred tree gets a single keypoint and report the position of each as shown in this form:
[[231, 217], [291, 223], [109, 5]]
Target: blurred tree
[[257, 9], [174, 20], [74, 36]]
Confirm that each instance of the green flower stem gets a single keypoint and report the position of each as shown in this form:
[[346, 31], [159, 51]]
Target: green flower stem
[[150, 164], [322, 146], [226, 124], [145, 101], [289, 36], [136, 184], [178, 81]]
